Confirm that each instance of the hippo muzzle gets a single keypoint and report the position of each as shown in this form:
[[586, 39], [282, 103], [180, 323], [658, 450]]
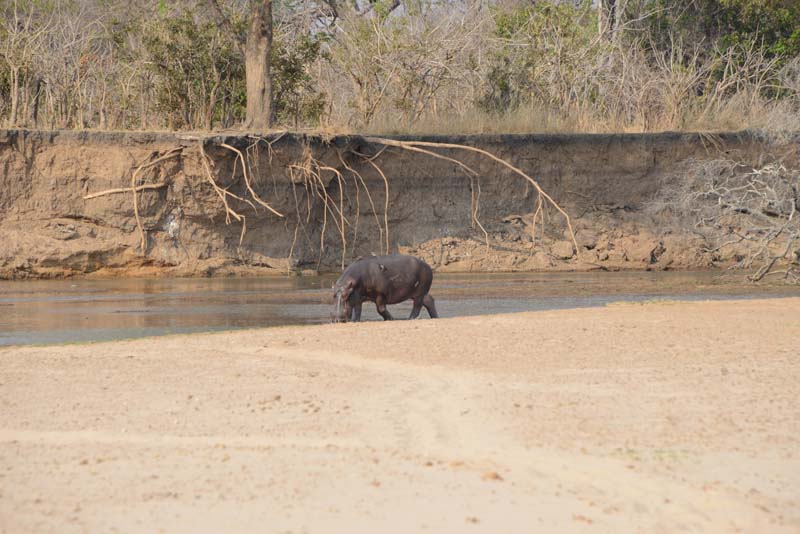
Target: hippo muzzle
[[342, 309]]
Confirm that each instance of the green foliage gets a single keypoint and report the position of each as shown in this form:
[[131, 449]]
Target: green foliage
[[771, 24], [296, 97], [162, 8], [382, 8], [199, 71], [551, 33]]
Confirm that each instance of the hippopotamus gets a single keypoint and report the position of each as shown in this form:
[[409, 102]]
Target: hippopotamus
[[383, 280]]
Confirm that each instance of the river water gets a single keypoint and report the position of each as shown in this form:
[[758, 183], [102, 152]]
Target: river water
[[84, 310]]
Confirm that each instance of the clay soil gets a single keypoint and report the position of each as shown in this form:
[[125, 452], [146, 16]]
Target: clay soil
[[657, 417]]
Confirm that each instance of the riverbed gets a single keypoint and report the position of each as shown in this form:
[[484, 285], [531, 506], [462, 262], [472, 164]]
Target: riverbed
[[87, 310], [659, 416]]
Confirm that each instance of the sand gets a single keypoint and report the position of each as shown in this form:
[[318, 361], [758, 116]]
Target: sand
[[655, 417]]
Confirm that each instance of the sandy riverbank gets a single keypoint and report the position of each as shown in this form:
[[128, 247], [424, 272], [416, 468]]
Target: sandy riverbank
[[657, 417]]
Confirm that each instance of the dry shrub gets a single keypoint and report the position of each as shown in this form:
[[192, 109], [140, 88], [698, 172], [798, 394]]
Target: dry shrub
[[539, 78], [401, 72], [748, 216], [455, 67]]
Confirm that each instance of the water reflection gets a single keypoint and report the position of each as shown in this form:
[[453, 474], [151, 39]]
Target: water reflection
[[96, 310]]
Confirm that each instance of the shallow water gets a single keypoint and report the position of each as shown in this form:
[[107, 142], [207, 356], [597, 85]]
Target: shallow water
[[66, 311]]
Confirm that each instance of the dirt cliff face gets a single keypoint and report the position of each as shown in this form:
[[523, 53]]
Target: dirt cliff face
[[308, 203]]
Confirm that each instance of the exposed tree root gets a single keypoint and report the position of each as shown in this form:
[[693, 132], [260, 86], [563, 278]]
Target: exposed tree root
[[291, 250], [342, 219], [386, 202], [143, 187], [310, 173], [223, 193], [255, 196], [415, 147], [469, 171], [135, 190], [475, 206], [358, 176], [539, 212]]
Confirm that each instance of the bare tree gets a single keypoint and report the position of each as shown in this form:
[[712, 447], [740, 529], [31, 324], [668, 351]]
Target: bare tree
[[20, 49]]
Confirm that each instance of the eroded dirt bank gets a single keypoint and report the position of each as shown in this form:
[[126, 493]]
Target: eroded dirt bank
[[331, 197], [657, 418]]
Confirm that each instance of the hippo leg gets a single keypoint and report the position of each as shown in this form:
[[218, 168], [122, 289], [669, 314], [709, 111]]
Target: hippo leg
[[430, 305], [417, 307], [380, 303], [356, 315]]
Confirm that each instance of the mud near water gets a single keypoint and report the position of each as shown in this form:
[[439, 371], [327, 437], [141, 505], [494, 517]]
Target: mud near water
[[68, 311]]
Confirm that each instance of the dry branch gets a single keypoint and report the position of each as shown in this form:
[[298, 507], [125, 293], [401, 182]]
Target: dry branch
[[750, 215]]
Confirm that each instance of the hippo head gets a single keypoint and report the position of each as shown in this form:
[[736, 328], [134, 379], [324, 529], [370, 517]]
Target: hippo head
[[342, 308]]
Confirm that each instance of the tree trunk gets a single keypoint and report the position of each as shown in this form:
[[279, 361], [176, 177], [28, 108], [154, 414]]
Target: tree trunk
[[606, 17], [257, 49], [36, 96], [12, 116]]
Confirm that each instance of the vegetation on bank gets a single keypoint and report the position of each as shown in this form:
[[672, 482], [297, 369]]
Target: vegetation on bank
[[406, 65]]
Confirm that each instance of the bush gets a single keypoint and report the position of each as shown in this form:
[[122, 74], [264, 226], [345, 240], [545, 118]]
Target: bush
[[429, 67]]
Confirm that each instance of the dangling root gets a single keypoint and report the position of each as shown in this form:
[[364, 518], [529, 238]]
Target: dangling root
[[415, 147], [469, 171], [169, 154], [342, 221], [223, 194], [143, 187], [291, 250], [386, 203], [255, 196], [476, 206], [310, 174], [357, 175], [538, 212]]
